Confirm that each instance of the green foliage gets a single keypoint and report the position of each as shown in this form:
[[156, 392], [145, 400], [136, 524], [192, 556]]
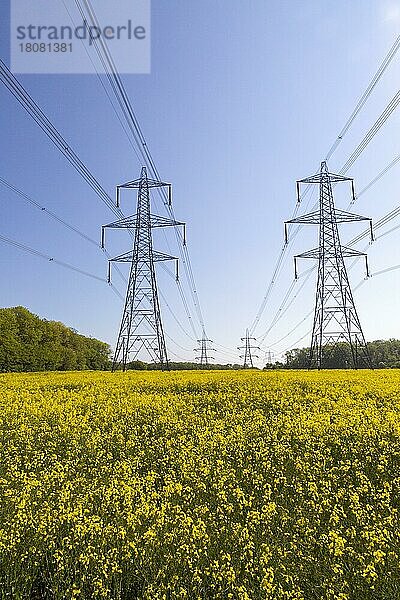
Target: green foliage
[[385, 354], [138, 365], [28, 343]]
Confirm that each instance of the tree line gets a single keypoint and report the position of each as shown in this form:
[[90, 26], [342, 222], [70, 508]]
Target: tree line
[[29, 343], [385, 354], [138, 365]]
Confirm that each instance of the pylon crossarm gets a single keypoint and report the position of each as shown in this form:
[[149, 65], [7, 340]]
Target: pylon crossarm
[[126, 257], [314, 253], [160, 256], [312, 179], [334, 178], [312, 218], [151, 183], [342, 216], [131, 222], [156, 221], [138, 184], [349, 252], [337, 178], [127, 223]]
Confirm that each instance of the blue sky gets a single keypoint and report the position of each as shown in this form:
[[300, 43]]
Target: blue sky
[[243, 98]]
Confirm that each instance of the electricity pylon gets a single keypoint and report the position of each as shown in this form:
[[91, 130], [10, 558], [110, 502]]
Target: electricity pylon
[[335, 318], [204, 351], [248, 348], [141, 327]]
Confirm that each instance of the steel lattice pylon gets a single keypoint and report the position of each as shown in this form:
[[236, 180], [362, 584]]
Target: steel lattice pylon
[[141, 326], [204, 350], [335, 317], [248, 348]]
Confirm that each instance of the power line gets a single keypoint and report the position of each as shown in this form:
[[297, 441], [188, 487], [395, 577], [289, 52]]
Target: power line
[[383, 221], [176, 344], [379, 176], [30, 106], [385, 63], [286, 304], [384, 116], [184, 301], [34, 252], [395, 212], [392, 164], [54, 216], [48, 212], [381, 120], [395, 228], [230, 350], [360, 283], [137, 133], [380, 223], [104, 87], [51, 259], [387, 270], [175, 318], [51, 214], [336, 318]]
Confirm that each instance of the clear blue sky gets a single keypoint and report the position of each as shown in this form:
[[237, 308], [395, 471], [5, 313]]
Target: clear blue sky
[[243, 99]]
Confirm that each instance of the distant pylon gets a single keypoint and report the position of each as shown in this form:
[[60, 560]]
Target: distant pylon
[[269, 357], [141, 326], [248, 348], [204, 350], [335, 318]]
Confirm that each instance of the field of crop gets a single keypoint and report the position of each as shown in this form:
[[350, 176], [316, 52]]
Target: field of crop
[[200, 485]]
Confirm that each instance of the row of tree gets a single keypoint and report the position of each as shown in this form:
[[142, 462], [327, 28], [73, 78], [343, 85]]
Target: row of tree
[[385, 354], [28, 343], [138, 365]]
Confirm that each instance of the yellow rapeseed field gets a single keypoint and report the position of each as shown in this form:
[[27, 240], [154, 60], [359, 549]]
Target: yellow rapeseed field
[[200, 485]]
